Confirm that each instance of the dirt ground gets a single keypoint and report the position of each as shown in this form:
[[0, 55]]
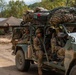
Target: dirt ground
[[7, 60]]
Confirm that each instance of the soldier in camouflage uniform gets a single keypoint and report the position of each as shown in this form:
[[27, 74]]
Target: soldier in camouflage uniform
[[57, 45], [27, 17], [17, 34], [60, 16], [25, 38], [39, 49], [53, 41]]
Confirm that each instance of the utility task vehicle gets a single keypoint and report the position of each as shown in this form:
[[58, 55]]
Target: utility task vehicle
[[65, 63], [69, 59]]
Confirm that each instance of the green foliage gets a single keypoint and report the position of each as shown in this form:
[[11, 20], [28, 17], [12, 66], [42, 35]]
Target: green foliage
[[2, 32], [49, 4], [2, 4], [34, 5], [15, 8], [18, 7]]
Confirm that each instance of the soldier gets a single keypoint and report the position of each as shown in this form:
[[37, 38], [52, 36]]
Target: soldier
[[57, 45], [53, 40], [39, 49], [28, 16], [26, 39], [17, 34]]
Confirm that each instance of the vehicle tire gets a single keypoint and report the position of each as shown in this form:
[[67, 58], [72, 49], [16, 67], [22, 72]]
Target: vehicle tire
[[21, 63], [73, 71]]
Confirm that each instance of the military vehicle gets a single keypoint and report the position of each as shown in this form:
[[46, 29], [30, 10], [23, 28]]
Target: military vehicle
[[63, 63]]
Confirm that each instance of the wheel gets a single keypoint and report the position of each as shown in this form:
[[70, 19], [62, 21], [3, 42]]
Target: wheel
[[73, 71], [21, 63]]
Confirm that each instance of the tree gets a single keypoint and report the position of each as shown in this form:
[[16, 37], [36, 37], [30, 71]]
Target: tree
[[71, 3], [15, 8], [2, 6], [50, 4]]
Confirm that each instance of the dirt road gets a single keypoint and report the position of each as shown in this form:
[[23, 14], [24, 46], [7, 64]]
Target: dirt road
[[7, 60], [7, 63]]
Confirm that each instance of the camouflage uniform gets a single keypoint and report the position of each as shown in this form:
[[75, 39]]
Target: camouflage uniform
[[39, 51], [56, 45], [53, 41], [26, 36], [61, 52], [17, 34], [28, 16], [26, 39]]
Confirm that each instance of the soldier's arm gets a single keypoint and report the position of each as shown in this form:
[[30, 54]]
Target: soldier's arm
[[36, 45], [23, 41]]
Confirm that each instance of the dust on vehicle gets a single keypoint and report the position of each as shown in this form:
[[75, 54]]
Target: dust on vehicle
[[59, 46]]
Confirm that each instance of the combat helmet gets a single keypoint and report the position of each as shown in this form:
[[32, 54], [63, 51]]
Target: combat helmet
[[38, 30]]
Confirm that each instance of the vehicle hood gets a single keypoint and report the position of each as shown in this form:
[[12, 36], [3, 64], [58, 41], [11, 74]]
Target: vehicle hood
[[72, 35]]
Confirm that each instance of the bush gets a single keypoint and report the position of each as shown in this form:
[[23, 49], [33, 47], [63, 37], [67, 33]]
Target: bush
[[2, 32]]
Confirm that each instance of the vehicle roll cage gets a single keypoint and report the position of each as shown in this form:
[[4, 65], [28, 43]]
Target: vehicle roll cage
[[44, 28]]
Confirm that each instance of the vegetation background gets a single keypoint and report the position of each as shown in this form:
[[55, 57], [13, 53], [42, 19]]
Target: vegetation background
[[17, 8]]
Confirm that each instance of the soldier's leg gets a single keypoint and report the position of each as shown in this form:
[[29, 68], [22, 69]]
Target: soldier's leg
[[61, 55], [40, 61], [53, 44]]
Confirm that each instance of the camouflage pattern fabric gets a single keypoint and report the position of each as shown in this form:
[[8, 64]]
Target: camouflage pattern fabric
[[53, 44], [61, 16], [25, 39], [56, 46], [28, 16], [37, 44], [17, 34], [61, 52], [39, 54], [26, 35]]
